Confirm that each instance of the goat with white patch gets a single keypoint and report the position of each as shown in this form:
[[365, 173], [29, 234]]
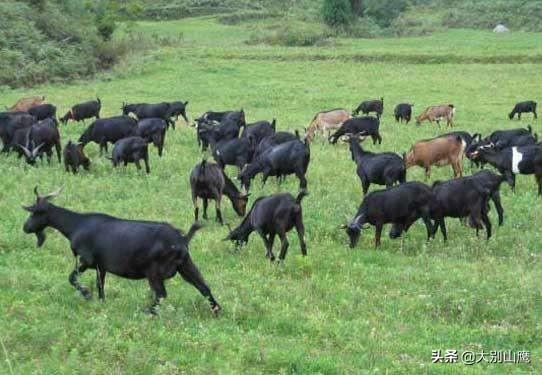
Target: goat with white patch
[[511, 161]]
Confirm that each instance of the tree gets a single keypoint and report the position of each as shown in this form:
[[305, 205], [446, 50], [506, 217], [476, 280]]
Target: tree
[[384, 11], [337, 12], [357, 7]]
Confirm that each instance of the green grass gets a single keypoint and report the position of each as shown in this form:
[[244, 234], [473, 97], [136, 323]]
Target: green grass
[[337, 310]]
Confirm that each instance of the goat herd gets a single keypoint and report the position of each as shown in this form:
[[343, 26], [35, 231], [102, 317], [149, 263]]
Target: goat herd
[[158, 251]]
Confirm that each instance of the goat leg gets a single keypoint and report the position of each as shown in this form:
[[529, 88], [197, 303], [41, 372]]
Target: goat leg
[[191, 274], [73, 278]]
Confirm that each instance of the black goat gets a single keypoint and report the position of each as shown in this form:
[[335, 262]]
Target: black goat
[[111, 129], [385, 168], [208, 181], [270, 216], [74, 157], [292, 157], [127, 248], [368, 106], [145, 110], [510, 161], [82, 111], [401, 205], [363, 126], [501, 139], [42, 136], [153, 130], [523, 107], [257, 131], [229, 128], [43, 111], [131, 150], [459, 198], [10, 122], [274, 140], [403, 112], [237, 152], [214, 116], [492, 183]]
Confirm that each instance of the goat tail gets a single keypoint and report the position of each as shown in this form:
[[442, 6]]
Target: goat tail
[[193, 229], [302, 194], [274, 124], [530, 129], [297, 134], [98, 100]]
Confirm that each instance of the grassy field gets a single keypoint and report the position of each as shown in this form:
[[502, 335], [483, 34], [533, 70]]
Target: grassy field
[[337, 310]]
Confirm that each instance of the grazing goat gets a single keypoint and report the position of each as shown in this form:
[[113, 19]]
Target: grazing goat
[[403, 112], [274, 140], [45, 135], [237, 152], [10, 123], [460, 198], [208, 181], [74, 157], [127, 248], [363, 126], [523, 107], [131, 150], [82, 111], [439, 151], [401, 205], [270, 216], [145, 110], [385, 168], [510, 161], [24, 104], [153, 130], [437, 113], [229, 128], [111, 129], [376, 106], [326, 121], [43, 111], [257, 131], [492, 183], [292, 157]]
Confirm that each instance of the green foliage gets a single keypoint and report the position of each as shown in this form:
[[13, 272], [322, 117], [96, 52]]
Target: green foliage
[[337, 12], [384, 11]]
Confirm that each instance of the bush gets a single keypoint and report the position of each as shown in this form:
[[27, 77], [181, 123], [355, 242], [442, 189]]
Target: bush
[[385, 11], [293, 35], [337, 12], [61, 42], [238, 17]]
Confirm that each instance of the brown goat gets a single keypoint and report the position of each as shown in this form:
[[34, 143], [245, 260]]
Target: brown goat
[[438, 113], [326, 120], [24, 104], [438, 151]]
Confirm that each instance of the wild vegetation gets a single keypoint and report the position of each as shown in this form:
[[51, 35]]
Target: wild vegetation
[[338, 310]]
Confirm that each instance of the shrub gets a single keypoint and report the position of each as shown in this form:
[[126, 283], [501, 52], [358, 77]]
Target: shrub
[[337, 12], [385, 11], [293, 35]]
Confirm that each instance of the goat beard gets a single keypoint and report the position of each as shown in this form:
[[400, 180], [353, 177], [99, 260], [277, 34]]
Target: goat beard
[[40, 236]]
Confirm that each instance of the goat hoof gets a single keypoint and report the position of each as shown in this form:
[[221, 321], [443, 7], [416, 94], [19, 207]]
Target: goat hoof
[[153, 310], [216, 309]]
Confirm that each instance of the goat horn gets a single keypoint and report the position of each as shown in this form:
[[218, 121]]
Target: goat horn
[[26, 151], [36, 191], [35, 150], [54, 194]]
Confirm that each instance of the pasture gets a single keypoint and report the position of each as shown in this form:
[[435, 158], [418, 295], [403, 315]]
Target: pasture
[[338, 310]]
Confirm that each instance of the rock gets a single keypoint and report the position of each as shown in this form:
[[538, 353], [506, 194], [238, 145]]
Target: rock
[[500, 28]]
